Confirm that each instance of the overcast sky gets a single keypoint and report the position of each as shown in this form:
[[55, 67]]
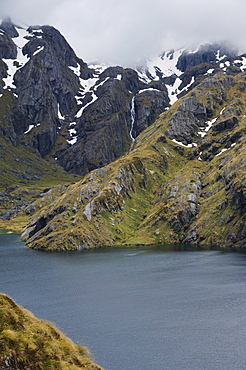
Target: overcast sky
[[124, 31]]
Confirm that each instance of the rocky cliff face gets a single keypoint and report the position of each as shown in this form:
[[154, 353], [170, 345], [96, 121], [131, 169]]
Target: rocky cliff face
[[161, 149], [182, 182], [62, 108]]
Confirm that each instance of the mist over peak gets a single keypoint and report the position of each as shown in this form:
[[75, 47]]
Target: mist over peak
[[126, 33]]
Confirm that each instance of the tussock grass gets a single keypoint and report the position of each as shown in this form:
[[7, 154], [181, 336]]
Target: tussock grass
[[29, 343]]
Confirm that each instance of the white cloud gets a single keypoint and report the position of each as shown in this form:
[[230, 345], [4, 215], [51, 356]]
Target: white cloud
[[122, 32]]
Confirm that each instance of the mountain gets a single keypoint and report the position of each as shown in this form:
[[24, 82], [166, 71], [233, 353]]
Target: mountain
[[63, 108], [158, 150], [30, 343]]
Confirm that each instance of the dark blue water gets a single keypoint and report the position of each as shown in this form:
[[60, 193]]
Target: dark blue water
[[137, 309]]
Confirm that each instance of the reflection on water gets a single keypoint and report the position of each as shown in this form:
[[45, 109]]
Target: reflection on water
[[164, 307]]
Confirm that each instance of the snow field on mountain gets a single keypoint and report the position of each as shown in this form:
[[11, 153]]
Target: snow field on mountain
[[166, 63], [15, 64]]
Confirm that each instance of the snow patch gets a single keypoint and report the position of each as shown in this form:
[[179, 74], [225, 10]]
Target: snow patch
[[60, 116], [73, 140], [209, 124], [40, 48], [242, 63], [87, 85], [20, 42], [142, 75], [29, 129], [186, 146], [76, 70], [78, 99], [222, 151], [219, 57], [22, 39], [149, 89], [187, 86], [102, 83], [9, 80], [15, 64], [80, 112], [173, 91], [72, 132], [36, 30], [166, 63], [98, 68]]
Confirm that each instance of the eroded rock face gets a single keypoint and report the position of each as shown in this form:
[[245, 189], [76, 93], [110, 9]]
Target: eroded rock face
[[8, 49], [103, 130], [61, 106], [180, 203], [83, 117], [149, 104], [44, 86], [186, 121]]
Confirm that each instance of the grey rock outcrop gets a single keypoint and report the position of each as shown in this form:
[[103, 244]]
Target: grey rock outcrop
[[149, 104], [205, 54], [186, 121]]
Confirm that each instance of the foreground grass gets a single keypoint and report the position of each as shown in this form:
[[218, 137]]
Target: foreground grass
[[29, 343]]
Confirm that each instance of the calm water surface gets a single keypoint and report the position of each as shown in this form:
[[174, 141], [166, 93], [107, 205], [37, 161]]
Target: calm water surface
[[137, 309]]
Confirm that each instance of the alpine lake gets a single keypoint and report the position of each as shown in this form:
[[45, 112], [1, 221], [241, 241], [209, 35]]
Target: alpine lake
[[139, 308]]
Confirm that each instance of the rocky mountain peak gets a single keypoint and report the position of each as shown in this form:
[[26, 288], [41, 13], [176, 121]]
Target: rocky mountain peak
[[59, 101], [206, 53], [8, 27], [155, 145]]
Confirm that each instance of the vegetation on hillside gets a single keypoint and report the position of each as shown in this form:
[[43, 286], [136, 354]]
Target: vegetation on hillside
[[161, 191], [27, 343]]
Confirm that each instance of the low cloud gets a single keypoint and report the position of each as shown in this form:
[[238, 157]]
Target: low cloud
[[125, 32]]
